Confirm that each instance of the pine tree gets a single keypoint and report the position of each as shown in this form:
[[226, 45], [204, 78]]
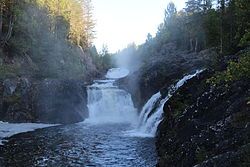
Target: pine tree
[[170, 12], [1, 18], [89, 23], [193, 6], [222, 17]]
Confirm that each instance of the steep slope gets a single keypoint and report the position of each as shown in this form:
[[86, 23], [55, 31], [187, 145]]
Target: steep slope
[[206, 126], [163, 70]]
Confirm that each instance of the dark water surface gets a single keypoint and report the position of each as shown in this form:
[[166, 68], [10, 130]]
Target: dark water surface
[[79, 145]]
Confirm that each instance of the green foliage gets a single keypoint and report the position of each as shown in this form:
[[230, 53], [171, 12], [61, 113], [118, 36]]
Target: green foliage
[[239, 70], [8, 71], [211, 22], [103, 60], [52, 36], [201, 154], [243, 24], [200, 26], [223, 26], [245, 40]]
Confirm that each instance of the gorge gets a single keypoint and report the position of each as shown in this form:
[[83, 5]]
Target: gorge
[[179, 98]]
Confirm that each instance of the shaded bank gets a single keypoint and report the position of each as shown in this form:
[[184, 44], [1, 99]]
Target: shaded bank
[[47, 101]]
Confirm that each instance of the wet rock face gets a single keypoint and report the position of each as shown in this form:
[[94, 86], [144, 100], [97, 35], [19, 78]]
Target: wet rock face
[[16, 100], [206, 126], [48, 101], [61, 101], [163, 70], [10, 86]]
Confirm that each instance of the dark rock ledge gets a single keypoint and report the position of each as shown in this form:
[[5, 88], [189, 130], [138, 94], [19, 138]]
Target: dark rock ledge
[[46, 101], [206, 126]]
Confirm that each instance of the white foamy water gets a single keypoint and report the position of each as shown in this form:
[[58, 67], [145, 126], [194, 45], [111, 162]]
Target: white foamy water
[[10, 129], [116, 73], [151, 114], [109, 104], [152, 102]]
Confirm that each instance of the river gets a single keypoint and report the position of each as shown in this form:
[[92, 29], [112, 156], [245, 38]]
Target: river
[[103, 140], [79, 144]]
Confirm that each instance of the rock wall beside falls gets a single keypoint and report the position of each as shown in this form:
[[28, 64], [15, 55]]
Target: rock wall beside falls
[[206, 126], [163, 70], [47, 101]]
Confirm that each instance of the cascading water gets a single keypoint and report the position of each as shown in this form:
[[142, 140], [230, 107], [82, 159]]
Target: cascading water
[[98, 145], [109, 104], [151, 114]]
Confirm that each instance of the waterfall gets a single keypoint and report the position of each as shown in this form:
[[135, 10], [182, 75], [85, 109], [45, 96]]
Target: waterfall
[[109, 104], [151, 114]]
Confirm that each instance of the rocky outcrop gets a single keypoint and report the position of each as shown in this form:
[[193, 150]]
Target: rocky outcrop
[[206, 126], [47, 101], [162, 71], [16, 100], [61, 101]]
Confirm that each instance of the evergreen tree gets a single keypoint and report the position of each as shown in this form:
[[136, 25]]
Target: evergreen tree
[[89, 22], [193, 6]]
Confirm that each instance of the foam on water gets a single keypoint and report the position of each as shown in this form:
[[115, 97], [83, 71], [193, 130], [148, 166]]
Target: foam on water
[[116, 73]]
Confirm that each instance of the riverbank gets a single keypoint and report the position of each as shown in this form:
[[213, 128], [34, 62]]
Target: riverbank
[[46, 101], [9, 129]]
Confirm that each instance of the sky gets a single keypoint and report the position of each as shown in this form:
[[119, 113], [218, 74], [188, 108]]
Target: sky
[[121, 22]]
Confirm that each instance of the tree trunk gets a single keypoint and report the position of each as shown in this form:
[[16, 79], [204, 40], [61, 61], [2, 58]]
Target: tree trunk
[[1, 20], [222, 7], [10, 29], [232, 22], [11, 24]]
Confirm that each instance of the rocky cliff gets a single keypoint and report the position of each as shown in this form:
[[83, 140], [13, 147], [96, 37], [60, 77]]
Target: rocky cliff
[[163, 70], [47, 101], [206, 125]]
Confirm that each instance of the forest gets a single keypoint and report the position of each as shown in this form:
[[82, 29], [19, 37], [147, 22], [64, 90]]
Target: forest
[[47, 38], [179, 99], [221, 25], [58, 35]]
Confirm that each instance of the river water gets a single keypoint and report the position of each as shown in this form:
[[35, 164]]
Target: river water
[[106, 145], [103, 140], [114, 135]]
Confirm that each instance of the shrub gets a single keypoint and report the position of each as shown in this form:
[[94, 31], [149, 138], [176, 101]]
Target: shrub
[[236, 70]]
